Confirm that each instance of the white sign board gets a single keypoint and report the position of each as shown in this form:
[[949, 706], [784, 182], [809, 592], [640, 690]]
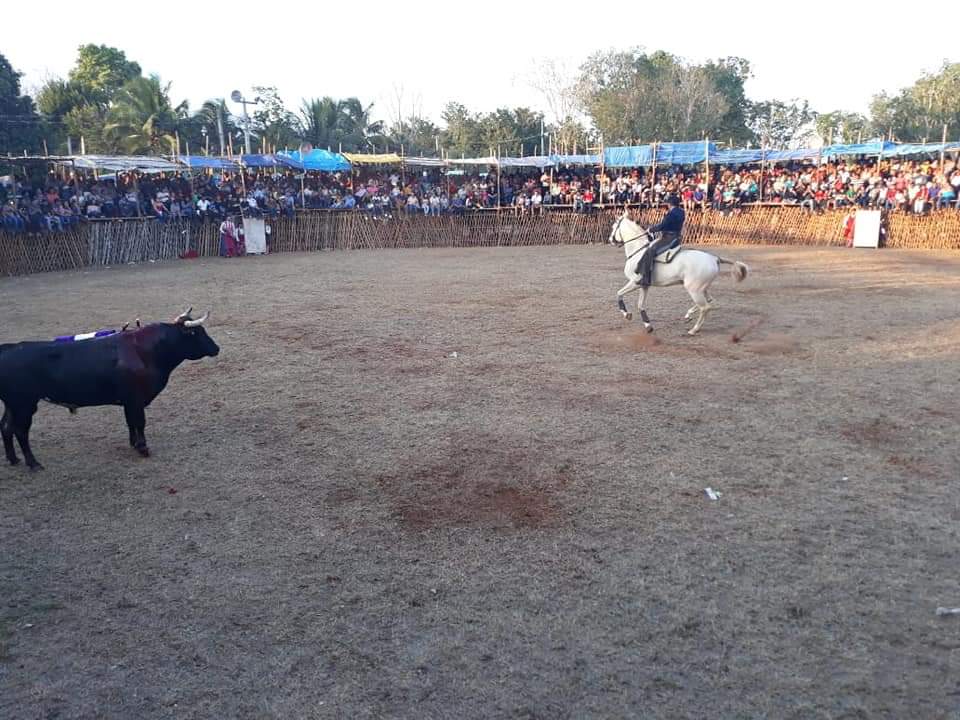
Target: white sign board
[[866, 229], [254, 236]]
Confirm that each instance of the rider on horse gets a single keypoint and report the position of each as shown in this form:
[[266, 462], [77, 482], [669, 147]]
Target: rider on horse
[[669, 232]]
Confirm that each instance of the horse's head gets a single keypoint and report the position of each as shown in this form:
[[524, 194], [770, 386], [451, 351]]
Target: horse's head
[[625, 230]]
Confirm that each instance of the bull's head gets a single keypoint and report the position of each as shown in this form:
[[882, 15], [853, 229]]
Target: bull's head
[[196, 343]]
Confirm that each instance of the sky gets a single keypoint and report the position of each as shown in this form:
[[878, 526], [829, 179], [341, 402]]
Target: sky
[[483, 55]]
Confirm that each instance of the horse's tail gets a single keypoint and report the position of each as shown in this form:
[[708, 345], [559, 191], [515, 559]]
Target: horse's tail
[[739, 271]]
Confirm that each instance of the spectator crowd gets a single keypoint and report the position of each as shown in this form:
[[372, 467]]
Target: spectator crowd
[[59, 202]]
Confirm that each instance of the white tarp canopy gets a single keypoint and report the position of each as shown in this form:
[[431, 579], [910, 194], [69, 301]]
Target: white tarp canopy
[[424, 162], [124, 163], [473, 161]]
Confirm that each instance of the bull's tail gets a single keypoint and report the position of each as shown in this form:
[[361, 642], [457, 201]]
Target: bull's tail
[[739, 269]]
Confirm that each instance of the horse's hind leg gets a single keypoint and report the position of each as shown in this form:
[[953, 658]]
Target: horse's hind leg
[[700, 298], [642, 309]]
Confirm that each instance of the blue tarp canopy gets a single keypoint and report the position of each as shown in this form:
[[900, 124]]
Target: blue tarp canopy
[[922, 149], [673, 153], [316, 159], [681, 153], [258, 161], [200, 162], [867, 148], [627, 156], [574, 159], [737, 157], [789, 155]]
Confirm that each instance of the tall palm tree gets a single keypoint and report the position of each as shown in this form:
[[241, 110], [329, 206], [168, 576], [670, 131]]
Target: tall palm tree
[[322, 122], [141, 118], [362, 133]]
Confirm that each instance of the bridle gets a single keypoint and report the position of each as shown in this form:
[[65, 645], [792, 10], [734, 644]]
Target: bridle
[[615, 235]]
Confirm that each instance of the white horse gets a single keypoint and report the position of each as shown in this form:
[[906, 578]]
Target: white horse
[[695, 269]]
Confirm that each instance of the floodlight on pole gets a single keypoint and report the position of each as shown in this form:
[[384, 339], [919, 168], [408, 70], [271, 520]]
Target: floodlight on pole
[[237, 97]]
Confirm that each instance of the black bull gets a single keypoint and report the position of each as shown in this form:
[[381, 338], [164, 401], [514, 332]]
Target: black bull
[[128, 369]]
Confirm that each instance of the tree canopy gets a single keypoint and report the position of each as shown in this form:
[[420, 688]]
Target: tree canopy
[[622, 96]]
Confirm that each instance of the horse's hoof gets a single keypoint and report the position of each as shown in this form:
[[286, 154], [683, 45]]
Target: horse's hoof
[[144, 451], [649, 328], [36, 467], [691, 333], [628, 316]]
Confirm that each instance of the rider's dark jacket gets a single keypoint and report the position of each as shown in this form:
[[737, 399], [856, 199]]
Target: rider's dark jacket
[[672, 222]]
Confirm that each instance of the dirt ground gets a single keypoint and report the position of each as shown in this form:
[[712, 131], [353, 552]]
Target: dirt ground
[[343, 520]]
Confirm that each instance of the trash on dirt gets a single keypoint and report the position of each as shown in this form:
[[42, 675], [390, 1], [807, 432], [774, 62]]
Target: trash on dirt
[[948, 611], [712, 494], [454, 355]]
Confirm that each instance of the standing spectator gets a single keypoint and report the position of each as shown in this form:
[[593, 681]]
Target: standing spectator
[[228, 238]]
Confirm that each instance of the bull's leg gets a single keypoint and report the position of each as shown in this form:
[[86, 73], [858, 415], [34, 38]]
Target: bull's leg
[[137, 423], [22, 419], [6, 428]]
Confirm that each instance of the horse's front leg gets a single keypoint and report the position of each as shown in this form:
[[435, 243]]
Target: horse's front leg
[[642, 309], [629, 287]]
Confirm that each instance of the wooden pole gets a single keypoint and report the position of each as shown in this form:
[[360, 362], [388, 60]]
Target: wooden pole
[[706, 164], [136, 192], [499, 177], [763, 150], [653, 178], [603, 169], [943, 142]]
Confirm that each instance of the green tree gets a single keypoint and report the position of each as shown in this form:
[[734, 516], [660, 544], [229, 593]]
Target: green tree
[[101, 71], [321, 122], [20, 126], [779, 125], [141, 119], [361, 132], [514, 131], [842, 127], [78, 106], [463, 134], [729, 76], [87, 122], [417, 136], [631, 96], [272, 121], [919, 112]]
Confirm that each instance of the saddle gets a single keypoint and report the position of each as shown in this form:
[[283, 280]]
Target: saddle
[[669, 252]]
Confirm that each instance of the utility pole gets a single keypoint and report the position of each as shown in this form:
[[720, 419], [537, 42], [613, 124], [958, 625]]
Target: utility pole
[[238, 98]]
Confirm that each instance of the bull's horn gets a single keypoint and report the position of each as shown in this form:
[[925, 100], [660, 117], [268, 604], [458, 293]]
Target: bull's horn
[[198, 321], [184, 316]]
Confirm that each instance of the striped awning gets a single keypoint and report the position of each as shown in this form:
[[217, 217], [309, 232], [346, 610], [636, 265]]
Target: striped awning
[[370, 159]]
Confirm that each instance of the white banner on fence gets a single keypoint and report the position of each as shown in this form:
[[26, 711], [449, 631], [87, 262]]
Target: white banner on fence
[[255, 236], [866, 229]]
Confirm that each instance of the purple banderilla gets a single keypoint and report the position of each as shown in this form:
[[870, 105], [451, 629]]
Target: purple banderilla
[[85, 336]]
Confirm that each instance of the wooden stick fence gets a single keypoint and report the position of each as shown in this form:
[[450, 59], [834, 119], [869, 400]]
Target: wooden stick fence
[[117, 242]]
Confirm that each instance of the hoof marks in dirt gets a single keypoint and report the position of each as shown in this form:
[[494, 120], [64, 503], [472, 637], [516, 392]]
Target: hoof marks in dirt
[[464, 495], [627, 341]]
